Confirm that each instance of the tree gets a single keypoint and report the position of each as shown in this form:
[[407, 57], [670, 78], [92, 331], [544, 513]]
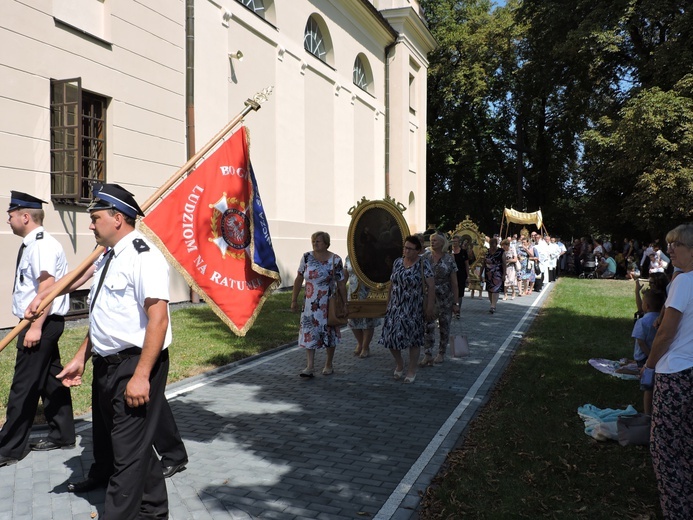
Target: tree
[[542, 104], [640, 165], [470, 171]]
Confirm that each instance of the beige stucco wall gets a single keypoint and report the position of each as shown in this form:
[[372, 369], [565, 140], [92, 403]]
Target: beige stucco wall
[[140, 68], [408, 95], [318, 145]]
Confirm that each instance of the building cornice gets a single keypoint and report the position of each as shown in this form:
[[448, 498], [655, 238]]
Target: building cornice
[[378, 16], [412, 28]]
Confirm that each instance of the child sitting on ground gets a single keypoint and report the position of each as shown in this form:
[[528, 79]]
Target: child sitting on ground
[[633, 270], [644, 334]]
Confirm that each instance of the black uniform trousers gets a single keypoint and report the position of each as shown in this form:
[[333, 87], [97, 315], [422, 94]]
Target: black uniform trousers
[[136, 488], [168, 443], [34, 377], [539, 281]]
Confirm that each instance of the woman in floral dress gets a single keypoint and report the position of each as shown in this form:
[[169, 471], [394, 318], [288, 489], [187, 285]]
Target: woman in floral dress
[[320, 269], [523, 274], [510, 269], [447, 298], [404, 318], [529, 274]]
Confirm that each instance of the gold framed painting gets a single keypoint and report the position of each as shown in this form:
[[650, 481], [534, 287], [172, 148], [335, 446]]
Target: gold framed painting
[[374, 241]]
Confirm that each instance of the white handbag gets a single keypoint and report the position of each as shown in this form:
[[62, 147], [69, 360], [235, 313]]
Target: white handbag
[[459, 346]]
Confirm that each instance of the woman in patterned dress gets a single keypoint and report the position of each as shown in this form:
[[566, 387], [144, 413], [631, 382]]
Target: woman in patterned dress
[[363, 328], [671, 357], [532, 260], [447, 298], [510, 269], [404, 318], [320, 269], [494, 271], [523, 275]]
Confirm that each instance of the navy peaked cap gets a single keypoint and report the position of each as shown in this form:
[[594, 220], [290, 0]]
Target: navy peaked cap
[[24, 200], [113, 196]]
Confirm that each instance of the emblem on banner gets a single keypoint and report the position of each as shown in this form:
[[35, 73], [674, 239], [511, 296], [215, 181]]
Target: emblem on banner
[[230, 227]]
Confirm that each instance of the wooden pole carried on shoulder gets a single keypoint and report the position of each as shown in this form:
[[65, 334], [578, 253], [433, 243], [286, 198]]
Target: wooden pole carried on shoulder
[[253, 104]]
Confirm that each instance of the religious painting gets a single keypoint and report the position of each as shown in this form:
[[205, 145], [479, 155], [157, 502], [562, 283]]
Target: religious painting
[[375, 240]]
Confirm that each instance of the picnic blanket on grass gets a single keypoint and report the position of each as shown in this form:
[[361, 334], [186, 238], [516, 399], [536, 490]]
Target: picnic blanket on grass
[[618, 368], [601, 423]]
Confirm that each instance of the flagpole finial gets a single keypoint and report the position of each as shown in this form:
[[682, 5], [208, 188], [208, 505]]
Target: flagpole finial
[[259, 98]]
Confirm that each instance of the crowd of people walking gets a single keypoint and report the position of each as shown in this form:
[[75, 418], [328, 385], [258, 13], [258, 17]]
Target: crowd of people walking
[[426, 290], [514, 266], [524, 264]]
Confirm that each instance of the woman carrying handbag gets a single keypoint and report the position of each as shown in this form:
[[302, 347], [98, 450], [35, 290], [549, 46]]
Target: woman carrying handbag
[[318, 268]]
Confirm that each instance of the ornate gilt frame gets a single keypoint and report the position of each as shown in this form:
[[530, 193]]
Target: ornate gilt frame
[[372, 251], [467, 228]]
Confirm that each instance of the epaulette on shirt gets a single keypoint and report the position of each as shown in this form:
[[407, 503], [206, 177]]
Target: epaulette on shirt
[[140, 245], [39, 235]]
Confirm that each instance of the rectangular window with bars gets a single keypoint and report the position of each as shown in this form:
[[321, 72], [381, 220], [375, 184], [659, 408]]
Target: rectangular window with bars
[[78, 141]]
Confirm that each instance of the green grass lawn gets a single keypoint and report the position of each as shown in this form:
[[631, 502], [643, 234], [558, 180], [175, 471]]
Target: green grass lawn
[[526, 455], [201, 342]]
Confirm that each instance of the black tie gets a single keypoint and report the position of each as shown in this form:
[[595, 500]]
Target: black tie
[[19, 259], [109, 257]]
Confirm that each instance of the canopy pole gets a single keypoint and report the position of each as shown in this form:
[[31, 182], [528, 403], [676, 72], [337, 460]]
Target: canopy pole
[[69, 278]]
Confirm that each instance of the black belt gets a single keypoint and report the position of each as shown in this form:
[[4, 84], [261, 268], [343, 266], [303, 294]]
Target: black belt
[[119, 356]]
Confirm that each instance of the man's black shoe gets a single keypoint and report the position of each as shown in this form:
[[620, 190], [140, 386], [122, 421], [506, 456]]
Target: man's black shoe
[[7, 461], [88, 484], [47, 445], [169, 471]]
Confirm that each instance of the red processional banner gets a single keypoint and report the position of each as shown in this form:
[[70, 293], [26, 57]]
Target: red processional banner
[[213, 229]]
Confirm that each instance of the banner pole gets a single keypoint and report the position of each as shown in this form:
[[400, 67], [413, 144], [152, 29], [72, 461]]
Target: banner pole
[[253, 104], [250, 104], [58, 287]]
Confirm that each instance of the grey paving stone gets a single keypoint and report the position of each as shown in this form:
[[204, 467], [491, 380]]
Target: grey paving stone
[[263, 443]]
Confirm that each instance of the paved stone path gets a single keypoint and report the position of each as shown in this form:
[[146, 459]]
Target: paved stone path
[[263, 443]]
